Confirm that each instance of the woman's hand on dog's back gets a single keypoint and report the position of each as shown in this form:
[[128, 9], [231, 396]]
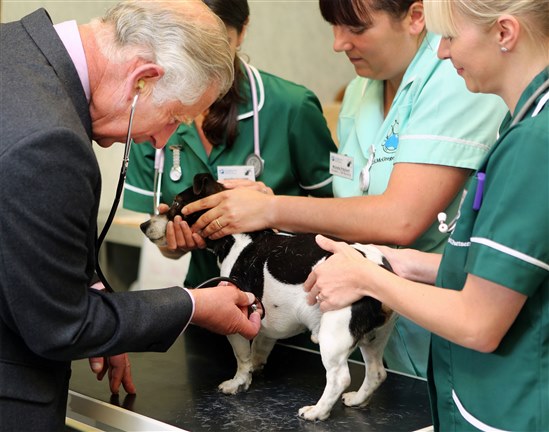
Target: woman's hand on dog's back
[[243, 209], [224, 310]]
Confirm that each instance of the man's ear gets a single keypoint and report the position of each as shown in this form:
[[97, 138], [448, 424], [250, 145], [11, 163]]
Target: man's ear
[[143, 78], [416, 18], [508, 31]]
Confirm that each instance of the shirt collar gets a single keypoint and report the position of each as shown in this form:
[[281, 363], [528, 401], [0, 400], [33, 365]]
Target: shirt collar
[[70, 36]]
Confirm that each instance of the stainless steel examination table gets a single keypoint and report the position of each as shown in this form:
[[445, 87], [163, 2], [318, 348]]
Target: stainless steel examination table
[[178, 390]]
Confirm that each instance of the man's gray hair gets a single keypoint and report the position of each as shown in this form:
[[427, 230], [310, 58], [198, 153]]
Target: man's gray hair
[[182, 36]]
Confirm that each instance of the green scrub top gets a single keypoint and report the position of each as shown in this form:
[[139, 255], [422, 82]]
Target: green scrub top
[[433, 119], [295, 143], [505, 241]]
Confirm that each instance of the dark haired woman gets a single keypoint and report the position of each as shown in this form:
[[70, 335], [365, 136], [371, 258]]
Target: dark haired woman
[[291, 137]]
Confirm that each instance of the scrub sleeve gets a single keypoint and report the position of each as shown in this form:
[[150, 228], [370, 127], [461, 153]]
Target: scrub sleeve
[[434, 119], [505, 242], [295, 143]]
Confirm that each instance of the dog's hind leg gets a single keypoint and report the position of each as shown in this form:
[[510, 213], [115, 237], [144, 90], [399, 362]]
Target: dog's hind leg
[[261, 348], [336, 344], [243, 377], [372, 353]]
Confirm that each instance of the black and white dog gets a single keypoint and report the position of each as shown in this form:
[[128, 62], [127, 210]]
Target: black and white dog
[[274, 266]]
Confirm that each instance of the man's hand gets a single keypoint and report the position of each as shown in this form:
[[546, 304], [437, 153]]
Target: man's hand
[[119, 371], [224, 309]]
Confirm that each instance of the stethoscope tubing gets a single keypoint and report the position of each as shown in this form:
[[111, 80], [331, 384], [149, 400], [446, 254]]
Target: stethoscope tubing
[[255, 106], [531, 100], [119, 188], [158, 170]]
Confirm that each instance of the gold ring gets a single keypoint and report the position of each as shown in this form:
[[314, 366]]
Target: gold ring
[[218, 224]]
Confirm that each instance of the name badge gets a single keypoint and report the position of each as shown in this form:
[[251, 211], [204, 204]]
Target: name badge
[[228, 172], [341, 165]]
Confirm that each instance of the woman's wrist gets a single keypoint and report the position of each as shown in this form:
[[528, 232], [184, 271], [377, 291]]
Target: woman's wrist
[[271, 212], [420, 266]]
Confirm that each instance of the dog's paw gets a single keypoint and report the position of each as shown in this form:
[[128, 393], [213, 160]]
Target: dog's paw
[[354, 399], [313, 413], [234, 386]]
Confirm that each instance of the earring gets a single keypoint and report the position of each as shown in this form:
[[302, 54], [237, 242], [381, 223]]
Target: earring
[[504, 49]]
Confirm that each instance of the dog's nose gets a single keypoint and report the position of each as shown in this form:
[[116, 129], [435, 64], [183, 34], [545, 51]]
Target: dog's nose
[[144, 226]]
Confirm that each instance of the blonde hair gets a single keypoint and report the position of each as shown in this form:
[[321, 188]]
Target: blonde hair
[[184, 37], [532, 14]]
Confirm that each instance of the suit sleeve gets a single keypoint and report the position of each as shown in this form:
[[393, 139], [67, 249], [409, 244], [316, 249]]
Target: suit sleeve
[[49, 193]]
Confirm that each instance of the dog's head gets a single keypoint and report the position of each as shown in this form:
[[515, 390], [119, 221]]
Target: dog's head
[[203, 186]]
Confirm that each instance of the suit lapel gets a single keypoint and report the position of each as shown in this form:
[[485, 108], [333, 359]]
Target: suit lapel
[[40, 28]]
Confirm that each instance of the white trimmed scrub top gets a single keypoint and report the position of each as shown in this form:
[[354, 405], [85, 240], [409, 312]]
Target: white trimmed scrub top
[[505, 241]]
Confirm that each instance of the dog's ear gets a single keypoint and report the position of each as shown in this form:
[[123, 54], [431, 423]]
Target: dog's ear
[[204, 185], [200, 181]]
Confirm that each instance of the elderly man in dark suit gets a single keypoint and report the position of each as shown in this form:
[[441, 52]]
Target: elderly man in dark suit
[[61, 87]]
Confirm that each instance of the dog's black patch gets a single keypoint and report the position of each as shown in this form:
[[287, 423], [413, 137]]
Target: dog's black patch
[[288, 261], [366, 315], [290, 257], [221, 247]]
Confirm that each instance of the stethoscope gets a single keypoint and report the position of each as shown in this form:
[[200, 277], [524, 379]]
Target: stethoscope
[[481, 176], [119, 188], [254, 159]]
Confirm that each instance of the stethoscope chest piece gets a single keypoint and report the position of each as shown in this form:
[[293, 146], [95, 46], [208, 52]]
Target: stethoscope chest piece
[[255, 161]]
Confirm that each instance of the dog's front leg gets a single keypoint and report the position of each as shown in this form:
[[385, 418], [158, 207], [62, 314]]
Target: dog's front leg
[[243, 377], [336, 344], [261, 348]]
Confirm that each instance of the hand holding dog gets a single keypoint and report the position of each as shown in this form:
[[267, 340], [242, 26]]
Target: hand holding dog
[[242, 209], [179, 237], [340, 280], [119, 371], [224, 309]]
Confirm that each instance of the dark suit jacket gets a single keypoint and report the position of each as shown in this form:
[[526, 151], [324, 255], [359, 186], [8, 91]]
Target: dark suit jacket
[[49, 194]]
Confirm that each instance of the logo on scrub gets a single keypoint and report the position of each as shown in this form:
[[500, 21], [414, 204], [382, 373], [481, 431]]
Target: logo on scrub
[[391, 140]]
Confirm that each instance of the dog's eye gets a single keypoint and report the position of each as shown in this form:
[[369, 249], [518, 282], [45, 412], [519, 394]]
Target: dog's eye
[[176, 204]]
